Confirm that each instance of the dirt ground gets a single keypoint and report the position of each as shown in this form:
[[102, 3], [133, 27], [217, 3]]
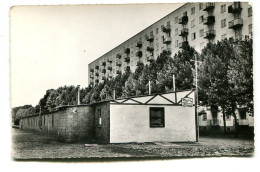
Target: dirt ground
[[31, 145]]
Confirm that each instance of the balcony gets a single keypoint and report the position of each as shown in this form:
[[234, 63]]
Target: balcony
[[97, 74], [183, 44], [150, 38], [208, 6], [238, 37], [118, 72], [91, 75], [97, 81], [167, 40], [103, 70], [109, 60], [109, 75], [168, 50], [139, 44], [213, 122], [183, 20], [103, 63], [209, 20], [127, 68], [127, 59], [166, 29], [235, 8], [91, 83], [118, 55], [139, 63], [92, 70], [150, 48], [97, 67], [127, 50], [210, 34], [103, 78], [235, 24], [184, 32], [109, 68], [118, 64], [139, 53], [150, 58]]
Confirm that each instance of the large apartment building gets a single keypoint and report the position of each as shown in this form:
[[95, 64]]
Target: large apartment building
[[195, 24]]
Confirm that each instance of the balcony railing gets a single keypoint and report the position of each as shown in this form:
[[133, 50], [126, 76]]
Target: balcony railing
[[183, 20], [213, 122], [210, 34], [166, 28], [235, 24], [103, 63], [209, 20], [139, 63], [127, 68], [150, 38], [139, 53], [103, 70], [109, 75], [92, 70], [118, 72], [184, 32], [168, 50], [91, 83], [235, 8], [150, 48], [97, 74], [208, 6], [167, 40], [118, 55], [139, 44], [183, 44], [91, 76], [150, 58], [97, 67], [109, 60], [118, 64], [97, 81], [109, 68], [127, 59], [127, 50]]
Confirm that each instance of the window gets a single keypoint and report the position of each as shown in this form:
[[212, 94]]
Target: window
[[176, 31], [176, 20], [223, 8], [204, 116], [157, 117], [250, 30], [201, 45], [201, 19], [242, 113], [224, 36], [192, 23], [201, 6], [201, 32], [99, 118], [151, 33], [223, 23], [228, 117], [176, 43], [192, 10], [250, 12], [168, 23], [157, 30], [193, 36], [185, 13], [162, 26]]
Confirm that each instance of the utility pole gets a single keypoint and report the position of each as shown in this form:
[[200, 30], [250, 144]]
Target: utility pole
[[149, 87], [173, 86]]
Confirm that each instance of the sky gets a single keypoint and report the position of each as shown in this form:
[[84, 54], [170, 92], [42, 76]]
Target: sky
[[51, 46]]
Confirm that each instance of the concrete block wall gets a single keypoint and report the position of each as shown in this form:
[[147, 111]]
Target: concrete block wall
[[69, 125]]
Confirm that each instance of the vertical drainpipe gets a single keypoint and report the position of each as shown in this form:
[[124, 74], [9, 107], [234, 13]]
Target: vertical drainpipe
[[174, 88]]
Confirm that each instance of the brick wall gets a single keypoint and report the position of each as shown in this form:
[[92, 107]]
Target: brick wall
[[70, 125]]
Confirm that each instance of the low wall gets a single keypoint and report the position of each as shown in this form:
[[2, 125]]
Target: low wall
[[70, 125]]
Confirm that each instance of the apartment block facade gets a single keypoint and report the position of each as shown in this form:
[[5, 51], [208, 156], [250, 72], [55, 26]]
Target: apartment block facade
[[195, 24]]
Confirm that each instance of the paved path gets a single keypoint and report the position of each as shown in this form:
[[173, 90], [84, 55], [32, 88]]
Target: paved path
[[32, 145]]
